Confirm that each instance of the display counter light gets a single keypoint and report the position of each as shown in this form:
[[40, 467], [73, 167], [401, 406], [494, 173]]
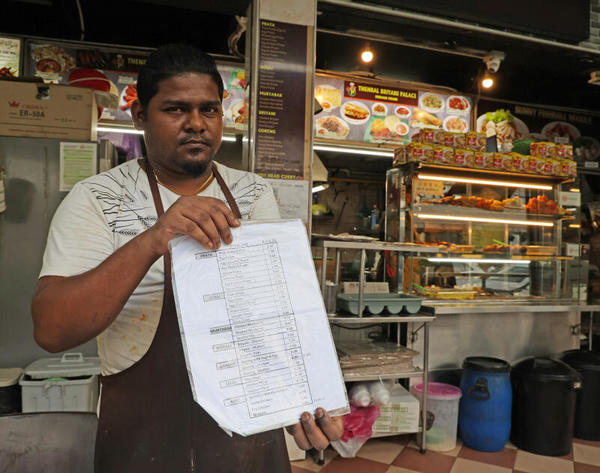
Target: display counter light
[[468, 180], [484, 220], [340, 149], [478, 260]]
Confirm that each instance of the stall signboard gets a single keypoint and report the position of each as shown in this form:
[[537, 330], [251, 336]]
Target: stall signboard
[[522, 121], [62, 63], [10, 57], [372, 112], [281, 100]]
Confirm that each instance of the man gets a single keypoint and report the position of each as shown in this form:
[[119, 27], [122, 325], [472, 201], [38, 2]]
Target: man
[[106, 274]]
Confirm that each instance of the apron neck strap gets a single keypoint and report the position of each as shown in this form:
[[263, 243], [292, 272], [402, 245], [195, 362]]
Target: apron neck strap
[[158, 202], [154, 188], [230, 200]]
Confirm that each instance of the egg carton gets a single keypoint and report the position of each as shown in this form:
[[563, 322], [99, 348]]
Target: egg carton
[[375, 304]]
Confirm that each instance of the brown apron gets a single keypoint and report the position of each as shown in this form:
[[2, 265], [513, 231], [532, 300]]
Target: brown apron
[[149, 421]]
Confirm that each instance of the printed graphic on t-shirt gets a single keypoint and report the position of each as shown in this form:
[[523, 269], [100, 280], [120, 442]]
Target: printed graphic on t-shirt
[[125, 198]]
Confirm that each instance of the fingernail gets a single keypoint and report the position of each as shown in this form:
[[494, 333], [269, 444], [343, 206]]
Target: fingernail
[[236, 221], [209, 245], [305, 417], [319, 413]]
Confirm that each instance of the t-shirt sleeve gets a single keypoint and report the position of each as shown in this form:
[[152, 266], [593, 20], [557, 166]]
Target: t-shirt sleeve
[[79, 238], [265, 207]]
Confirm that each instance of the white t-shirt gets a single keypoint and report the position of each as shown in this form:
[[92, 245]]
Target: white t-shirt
[[104, 212]]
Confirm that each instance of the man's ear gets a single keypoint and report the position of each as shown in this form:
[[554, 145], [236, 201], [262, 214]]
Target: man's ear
[[138, 115]]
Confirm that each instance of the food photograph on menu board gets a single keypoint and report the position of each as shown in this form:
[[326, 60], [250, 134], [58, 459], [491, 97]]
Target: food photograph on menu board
[[373, 113], [116, 73], [10, 53]]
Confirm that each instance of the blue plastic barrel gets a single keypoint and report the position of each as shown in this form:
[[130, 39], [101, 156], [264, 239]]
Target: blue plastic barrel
[[484, 416]]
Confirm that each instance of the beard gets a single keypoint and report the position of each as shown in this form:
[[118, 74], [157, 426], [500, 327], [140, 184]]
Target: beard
[[195, 168]]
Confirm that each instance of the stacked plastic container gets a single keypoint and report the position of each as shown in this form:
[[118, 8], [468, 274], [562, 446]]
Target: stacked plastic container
[[442, 414]]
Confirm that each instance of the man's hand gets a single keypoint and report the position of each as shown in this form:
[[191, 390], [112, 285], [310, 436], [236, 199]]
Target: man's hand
[[205, 219], [309, 433]]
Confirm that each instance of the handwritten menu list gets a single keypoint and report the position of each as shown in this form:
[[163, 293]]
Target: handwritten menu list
[[280, 123]]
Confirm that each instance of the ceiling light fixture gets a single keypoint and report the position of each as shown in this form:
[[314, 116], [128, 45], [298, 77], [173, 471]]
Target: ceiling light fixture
[[320, 187], [133, 131], [127, 131], [487, 82], [367, 55]]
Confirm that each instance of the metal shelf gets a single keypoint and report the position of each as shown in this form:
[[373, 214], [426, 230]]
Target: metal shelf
[[373, 245], [450, 210], [355, 320], [392, 434], [325, 243], [392, 375], [483, 173], [481, 307]]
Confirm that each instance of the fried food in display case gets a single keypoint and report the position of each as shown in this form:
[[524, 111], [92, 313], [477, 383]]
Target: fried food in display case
[[491, 230]]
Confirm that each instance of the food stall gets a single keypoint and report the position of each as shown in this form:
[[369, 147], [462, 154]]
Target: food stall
[[500, 223]]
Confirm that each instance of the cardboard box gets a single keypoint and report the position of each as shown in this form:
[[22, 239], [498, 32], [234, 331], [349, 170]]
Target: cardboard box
[[401, 415], [40, 110], [351, 287]]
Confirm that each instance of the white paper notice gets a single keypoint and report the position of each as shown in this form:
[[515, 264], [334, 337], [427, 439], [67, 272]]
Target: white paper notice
[[254, 329], [292, 198], [77, 162]]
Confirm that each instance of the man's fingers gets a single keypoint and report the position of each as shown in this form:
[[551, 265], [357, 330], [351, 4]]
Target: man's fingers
[[200, 237], [297, 432], [204, 221], [220, 207], [332, 427], [314, 434], [223, 227]]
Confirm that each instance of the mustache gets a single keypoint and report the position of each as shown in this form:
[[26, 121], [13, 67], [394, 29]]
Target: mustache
[[194, 138]]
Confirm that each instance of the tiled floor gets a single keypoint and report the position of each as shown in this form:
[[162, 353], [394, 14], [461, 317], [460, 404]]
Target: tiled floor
[[401, 455]]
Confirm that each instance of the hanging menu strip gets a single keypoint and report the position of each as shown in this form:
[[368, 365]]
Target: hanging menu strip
[[281, 104]]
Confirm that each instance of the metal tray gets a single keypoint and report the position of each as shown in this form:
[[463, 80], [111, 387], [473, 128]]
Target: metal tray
[[376, 303]]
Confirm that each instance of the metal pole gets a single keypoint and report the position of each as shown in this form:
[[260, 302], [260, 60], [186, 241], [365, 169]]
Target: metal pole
[[323, 270], [591, 334], [361, 282], [338, 262], [425, 381]]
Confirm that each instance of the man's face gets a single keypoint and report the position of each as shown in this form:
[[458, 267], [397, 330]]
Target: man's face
[[183, 124]]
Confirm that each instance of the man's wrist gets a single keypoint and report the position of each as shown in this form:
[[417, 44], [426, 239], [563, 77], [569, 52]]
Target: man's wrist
[[146, 244]]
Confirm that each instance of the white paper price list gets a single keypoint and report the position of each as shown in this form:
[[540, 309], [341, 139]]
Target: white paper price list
[[264, 329]]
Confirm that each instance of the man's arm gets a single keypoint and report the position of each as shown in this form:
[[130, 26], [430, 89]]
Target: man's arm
[[68, 311]]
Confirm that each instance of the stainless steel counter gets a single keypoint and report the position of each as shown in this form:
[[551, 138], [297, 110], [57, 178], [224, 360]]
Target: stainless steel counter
[[517, 306]]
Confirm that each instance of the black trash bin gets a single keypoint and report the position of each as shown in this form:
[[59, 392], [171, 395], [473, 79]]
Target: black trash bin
[[587, 409], [543, 405]]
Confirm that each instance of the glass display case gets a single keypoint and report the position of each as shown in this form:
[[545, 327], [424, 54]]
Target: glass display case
[[500, 235]]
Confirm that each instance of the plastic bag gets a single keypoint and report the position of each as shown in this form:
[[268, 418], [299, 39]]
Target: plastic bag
[[357, 430], [347, 449]]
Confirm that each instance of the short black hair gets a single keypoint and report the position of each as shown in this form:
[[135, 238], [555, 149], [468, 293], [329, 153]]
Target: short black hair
[[171, 60]]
